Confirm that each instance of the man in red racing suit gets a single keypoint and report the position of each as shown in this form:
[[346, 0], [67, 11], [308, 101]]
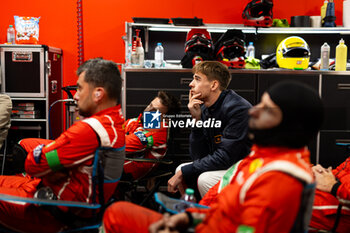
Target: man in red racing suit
[[65, 164], [264, 191], [148, 143], [333, 188]]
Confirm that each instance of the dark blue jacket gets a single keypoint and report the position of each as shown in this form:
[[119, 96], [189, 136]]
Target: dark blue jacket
[[219, 148]]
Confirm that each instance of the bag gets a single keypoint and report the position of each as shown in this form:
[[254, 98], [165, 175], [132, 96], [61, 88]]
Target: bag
[[27, 29]]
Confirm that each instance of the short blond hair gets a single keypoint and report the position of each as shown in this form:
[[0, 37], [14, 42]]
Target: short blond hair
[[214, 70]]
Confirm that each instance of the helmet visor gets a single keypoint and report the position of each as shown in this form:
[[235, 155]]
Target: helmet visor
[[295, 52]]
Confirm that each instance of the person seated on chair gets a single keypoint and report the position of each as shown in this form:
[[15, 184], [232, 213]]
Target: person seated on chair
[[265, 190], [64, 165], [332, 192], [213, 149], [148, 143], [5, 123]]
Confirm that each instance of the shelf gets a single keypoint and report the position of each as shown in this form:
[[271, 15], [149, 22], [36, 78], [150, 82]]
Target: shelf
[[221, 28], [28, 120], [29, 98]]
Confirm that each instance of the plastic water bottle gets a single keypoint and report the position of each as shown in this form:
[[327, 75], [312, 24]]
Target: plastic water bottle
[[341, 56], [189, 196], [11, 35], [325, 50], [159, 56], [128, 56], [251, 50]]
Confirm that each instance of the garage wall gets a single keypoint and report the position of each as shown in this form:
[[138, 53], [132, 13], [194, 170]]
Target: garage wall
[[104, 21]]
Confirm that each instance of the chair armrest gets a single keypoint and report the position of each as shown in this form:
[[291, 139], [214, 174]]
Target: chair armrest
[[5, 197], [149, 160]]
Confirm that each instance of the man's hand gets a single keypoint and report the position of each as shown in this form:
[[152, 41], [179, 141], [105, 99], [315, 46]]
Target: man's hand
[[170, 224], [324, 178], [194, 105], [174, 182]]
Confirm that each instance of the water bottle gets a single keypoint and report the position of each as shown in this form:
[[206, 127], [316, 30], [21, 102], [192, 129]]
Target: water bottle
[[188, 197], [11, 35], [128, 56], [251, 50], [325, 50], [341, 56], [159, 56]]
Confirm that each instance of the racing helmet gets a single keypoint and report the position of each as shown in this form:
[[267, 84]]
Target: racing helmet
[[229, 49], [293, 53], [258, 13], [198, 47]]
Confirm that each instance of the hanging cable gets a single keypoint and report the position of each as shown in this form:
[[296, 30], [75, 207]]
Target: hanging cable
[[80, 32]]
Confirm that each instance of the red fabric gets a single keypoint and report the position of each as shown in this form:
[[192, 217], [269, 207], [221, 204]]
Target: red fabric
[[24, 217], [270, 205], [134, 144], [325, 204], [117, 218], [75, 149], [210, 196]]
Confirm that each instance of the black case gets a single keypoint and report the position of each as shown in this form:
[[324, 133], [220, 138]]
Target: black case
[[33, 74]]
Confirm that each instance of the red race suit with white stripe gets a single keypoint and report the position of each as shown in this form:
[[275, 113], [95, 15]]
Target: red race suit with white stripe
[[263, 194], [149, 143], [326, 205], [64, 165]]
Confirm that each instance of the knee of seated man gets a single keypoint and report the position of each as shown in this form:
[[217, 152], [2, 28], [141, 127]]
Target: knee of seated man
[[204, 183]]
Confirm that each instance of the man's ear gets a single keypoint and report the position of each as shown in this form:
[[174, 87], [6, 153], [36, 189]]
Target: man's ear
[[215, 85], [99, 93]]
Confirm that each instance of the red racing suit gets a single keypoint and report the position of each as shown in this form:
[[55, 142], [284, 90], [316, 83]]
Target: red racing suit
[[64, 165], [326, 205], [262, 196], [150, 143]]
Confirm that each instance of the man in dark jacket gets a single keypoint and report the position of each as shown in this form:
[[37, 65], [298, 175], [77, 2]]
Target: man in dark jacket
[[215, 148]]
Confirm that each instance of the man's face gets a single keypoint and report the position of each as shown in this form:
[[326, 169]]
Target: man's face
[[201, 84], [155, 105], [265, 115], [83, 97]]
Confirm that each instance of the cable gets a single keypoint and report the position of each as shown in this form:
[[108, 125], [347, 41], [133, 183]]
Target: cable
[[80, 32], [57, 101]]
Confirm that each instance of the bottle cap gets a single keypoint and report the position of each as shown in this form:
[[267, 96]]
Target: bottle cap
[[250, 43], [189, 191], [158, 44], [10, 26], [341, 41]]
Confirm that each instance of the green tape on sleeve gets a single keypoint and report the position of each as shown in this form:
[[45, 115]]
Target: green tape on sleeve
[[53, 161], [150, 141], [245, 229]]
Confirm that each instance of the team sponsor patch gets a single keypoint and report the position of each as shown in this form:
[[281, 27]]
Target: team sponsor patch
[[255, 165], [142, 137], [37, 153], [217, 139]]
